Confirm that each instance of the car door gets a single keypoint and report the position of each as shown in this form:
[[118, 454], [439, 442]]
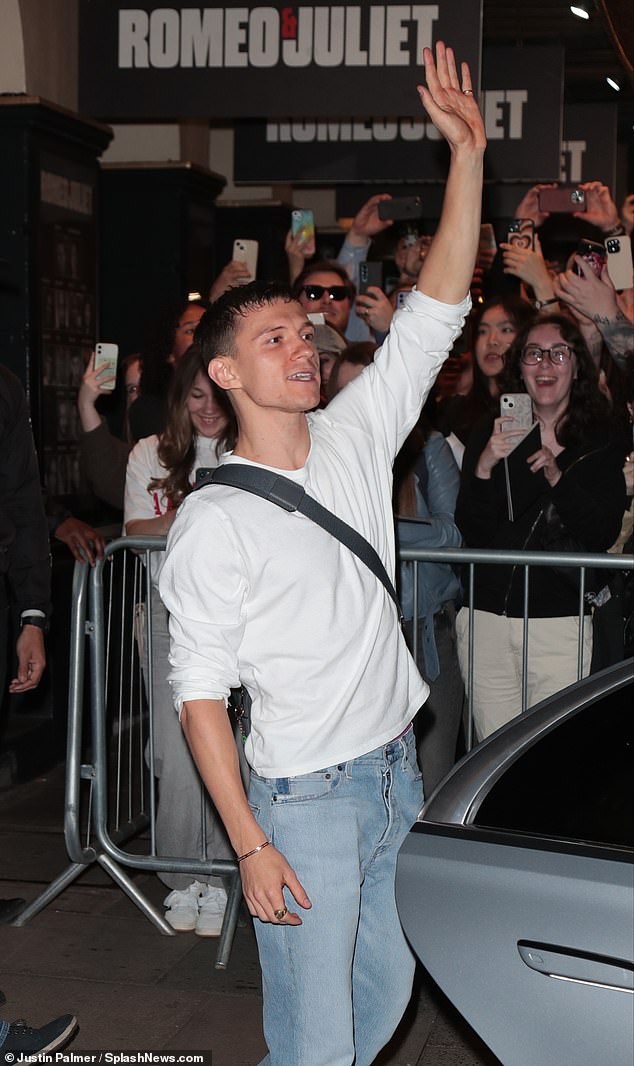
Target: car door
[[515, 887]]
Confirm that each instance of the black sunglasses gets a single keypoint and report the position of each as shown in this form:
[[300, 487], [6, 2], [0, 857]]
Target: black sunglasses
[[335, 292]]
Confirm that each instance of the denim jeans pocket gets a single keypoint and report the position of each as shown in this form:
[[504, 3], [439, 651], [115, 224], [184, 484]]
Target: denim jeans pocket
[[284, 790], [409, 761]]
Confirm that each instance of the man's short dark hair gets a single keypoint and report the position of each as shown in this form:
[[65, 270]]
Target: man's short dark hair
[[216, 331], [319, 266]]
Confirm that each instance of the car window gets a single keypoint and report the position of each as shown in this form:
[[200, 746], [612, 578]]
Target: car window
[[574, 783]]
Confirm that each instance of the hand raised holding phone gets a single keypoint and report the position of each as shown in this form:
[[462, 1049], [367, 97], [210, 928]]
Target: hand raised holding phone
[[500, 444], [104, 360]]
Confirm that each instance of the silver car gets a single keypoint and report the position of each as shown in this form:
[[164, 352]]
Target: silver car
[[516, 885]]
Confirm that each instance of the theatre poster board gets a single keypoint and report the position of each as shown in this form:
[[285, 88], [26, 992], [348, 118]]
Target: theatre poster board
[[149, 60]]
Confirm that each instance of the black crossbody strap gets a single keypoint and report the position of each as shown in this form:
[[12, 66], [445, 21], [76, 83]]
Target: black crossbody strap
[[290, 496]]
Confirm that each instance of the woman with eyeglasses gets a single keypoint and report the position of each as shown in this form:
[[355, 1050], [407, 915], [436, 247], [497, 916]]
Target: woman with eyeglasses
[[574, 503]]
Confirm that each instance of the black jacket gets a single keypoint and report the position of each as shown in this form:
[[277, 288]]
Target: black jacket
[[589, 499], [24, 545]]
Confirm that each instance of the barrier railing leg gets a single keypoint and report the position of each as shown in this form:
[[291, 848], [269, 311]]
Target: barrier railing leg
[[53, 890], [135, 894], [230, 922]]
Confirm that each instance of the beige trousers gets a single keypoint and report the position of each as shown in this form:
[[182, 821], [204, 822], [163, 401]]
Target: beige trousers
[[497, 662]]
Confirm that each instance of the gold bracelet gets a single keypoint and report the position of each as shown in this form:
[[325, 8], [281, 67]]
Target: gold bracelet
[[248, 854]]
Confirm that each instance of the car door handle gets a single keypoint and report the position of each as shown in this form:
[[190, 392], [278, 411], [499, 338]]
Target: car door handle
[[566, 964]]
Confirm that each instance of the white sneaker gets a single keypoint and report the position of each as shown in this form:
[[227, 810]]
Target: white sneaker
[[182, 913], [213, 902]]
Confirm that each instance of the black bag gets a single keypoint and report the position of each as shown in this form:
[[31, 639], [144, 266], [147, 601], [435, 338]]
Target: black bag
[[613, 620], [555, 537]]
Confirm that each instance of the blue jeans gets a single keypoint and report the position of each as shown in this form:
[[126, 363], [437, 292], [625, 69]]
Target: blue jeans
[[336, 987]]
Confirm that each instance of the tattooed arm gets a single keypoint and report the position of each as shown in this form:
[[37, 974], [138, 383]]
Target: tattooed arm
[[594, 303], [618, 334]]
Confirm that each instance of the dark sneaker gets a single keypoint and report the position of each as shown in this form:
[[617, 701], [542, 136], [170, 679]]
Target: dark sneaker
[[24, 1040]]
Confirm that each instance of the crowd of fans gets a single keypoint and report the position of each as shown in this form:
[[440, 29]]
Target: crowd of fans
[[557, 331]]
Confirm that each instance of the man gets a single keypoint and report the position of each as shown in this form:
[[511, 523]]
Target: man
[[323, 287], [329, 286], [25, 573], [24, 546], [269, 599]]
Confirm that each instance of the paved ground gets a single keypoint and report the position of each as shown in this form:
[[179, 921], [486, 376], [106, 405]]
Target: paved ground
[[91, 952]]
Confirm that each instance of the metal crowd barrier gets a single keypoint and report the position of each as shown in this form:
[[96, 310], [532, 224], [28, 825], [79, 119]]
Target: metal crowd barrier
[[111, 796], [468, 558]]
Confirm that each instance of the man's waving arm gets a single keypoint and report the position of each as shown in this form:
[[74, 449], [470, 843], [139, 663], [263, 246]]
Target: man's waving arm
[[449, 101]]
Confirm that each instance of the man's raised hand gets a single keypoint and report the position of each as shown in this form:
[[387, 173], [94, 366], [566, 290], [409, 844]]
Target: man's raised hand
[[449, 102]]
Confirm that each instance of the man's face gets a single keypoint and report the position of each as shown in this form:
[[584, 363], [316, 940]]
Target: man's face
[[274, 363], [335, 311]]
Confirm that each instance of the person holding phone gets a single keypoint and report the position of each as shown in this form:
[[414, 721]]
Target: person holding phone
[[339, 310], [279, 605], [527, 263], [492, 329], [597, 307], [577, 505], [161, 472], [233, 273], [104, 456]]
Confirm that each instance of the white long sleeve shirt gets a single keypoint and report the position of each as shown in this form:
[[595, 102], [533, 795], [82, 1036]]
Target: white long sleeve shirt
[[144, 465], [266, 598]]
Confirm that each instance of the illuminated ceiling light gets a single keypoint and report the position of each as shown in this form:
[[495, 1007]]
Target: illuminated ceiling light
[[194, 296], [580, 12], [613, 84]]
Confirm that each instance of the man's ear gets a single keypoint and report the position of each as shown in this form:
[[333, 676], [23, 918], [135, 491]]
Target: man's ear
[[222, 372]]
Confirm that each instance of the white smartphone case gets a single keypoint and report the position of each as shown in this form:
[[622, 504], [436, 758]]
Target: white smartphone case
[[247, 252], [519, 407]]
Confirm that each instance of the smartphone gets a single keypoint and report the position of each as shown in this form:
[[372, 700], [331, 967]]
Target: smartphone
[[303, 223], [521, 233], [487, 247], [400, 208], [562, 200], [370, 274], [247, 252], [594, 254], [106, 356], [618, 252], [518, 407]]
